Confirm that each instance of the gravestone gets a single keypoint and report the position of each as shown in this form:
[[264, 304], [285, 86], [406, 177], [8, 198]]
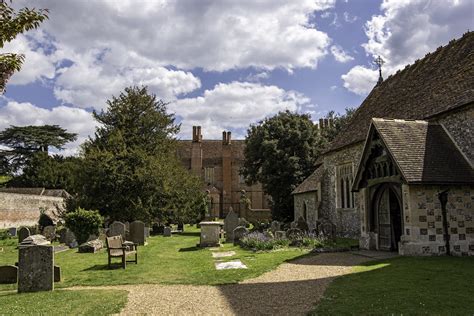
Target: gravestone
[[36, 269], [180, 227], [210, 234], [326, 228], [301, 224], [275, 226], [57, 274], [167, 231], [127, 225], [147, 232], [294, 233], [34, 240], [238, 233], [23, 233], [70, 239], [244, 222], [137, 232], [280, 234], [12, 231], [49, 232], [230, 223], [116, 229], [8, 274], [92, 246]]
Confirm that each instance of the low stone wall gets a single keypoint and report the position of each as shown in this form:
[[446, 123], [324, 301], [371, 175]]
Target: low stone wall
[[24, 209]]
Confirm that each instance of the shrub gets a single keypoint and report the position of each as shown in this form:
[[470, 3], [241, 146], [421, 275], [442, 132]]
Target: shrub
[[4, 235], [259, 241], [83, 223], [44, 219]]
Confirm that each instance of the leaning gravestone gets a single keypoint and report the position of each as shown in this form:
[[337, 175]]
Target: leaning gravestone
[[147, 232], [49, 232], [230, 223], [301, 224], [167, 231], [23, 233], [12, 231], [275, 226], [36, 269], [238, 233], [116, 229], [8, 274], [137, 232]]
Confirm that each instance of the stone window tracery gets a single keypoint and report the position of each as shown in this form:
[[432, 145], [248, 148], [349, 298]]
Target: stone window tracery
[[344, 179]]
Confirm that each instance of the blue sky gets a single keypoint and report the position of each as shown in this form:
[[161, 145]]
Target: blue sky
[[221, 64]]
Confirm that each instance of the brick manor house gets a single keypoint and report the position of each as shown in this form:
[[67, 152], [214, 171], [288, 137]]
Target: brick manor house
[[218, 162], [400, 176]]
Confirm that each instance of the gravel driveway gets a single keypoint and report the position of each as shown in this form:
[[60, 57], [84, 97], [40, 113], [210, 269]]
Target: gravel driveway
[[293, 288]]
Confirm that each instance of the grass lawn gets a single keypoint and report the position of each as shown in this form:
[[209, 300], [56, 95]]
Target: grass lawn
[[63, 302], [164, 260], [404, 285]]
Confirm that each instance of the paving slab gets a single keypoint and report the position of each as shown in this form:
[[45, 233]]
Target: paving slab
[[223, 254]]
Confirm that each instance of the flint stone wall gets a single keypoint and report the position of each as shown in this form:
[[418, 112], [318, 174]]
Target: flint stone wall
[[24, 209], [347, 221], [310, 198]]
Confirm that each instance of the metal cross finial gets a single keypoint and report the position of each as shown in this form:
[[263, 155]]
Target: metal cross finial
[[379, 62]]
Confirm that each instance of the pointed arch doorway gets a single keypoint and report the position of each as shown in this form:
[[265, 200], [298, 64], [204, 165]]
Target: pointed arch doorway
[[386, 217]]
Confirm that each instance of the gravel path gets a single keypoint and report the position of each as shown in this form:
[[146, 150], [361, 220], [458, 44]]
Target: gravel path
[[293, 288]]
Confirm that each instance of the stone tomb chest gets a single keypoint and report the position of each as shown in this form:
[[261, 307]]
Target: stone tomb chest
[[210, 234]]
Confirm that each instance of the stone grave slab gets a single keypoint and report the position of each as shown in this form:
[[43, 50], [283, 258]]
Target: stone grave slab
[[223, 254], [8, 274], [235, 264], [36, 269], [92, 246]]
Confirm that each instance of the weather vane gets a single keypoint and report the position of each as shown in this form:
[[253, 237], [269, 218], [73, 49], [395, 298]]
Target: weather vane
[[379, 62]]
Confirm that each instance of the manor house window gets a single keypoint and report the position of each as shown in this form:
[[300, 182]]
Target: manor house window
[[344, 178], [209, 175]]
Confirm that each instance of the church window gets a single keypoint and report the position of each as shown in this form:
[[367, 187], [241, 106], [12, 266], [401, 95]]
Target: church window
[[344, 178], [209, 175]]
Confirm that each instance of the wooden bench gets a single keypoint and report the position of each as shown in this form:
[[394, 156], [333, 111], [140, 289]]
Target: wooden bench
[[117, 248]]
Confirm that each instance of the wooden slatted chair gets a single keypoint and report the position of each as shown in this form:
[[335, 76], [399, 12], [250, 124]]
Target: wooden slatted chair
[[117, 248]]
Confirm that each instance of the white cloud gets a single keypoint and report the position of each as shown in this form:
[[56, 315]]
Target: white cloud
[[406, 31], [340, 54], [349, 18], [234, 106], [213, 35], [73, 119]]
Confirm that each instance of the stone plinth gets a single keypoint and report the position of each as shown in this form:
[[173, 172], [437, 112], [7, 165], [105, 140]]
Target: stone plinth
[[36, 269], [210, 233]]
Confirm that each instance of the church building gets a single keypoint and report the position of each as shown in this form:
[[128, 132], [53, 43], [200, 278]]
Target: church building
[[400, 176]]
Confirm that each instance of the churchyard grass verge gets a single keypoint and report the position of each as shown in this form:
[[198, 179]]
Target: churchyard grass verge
[[403, 285], [63, 302], [166, 260]]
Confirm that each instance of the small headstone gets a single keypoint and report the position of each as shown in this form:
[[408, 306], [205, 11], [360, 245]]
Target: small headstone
[[137, 232], [57, 274], [167, 231], [244, 222], [210, 234], [50, 233], [294, 233], [116, 229], [91, 246], [12, 231], [238, 233], [147, 232], [34, 240], [70, 239], [280, 234], [326, 228], [8, 274], [230, 223], [275, 226], [301, 224], [23, 233], [127, 225], [36, 269], [180, 227], [62, 235]]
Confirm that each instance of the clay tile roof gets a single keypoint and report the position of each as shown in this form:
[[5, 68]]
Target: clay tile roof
[[424, 152], [441, 81], [310, 183]]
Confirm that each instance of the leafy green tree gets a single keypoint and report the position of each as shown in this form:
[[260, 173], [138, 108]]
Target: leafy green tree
[[25, 141], [340, 121], [52, 172], [83, 223], [13, 23], [130, 169], [280, 152]]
